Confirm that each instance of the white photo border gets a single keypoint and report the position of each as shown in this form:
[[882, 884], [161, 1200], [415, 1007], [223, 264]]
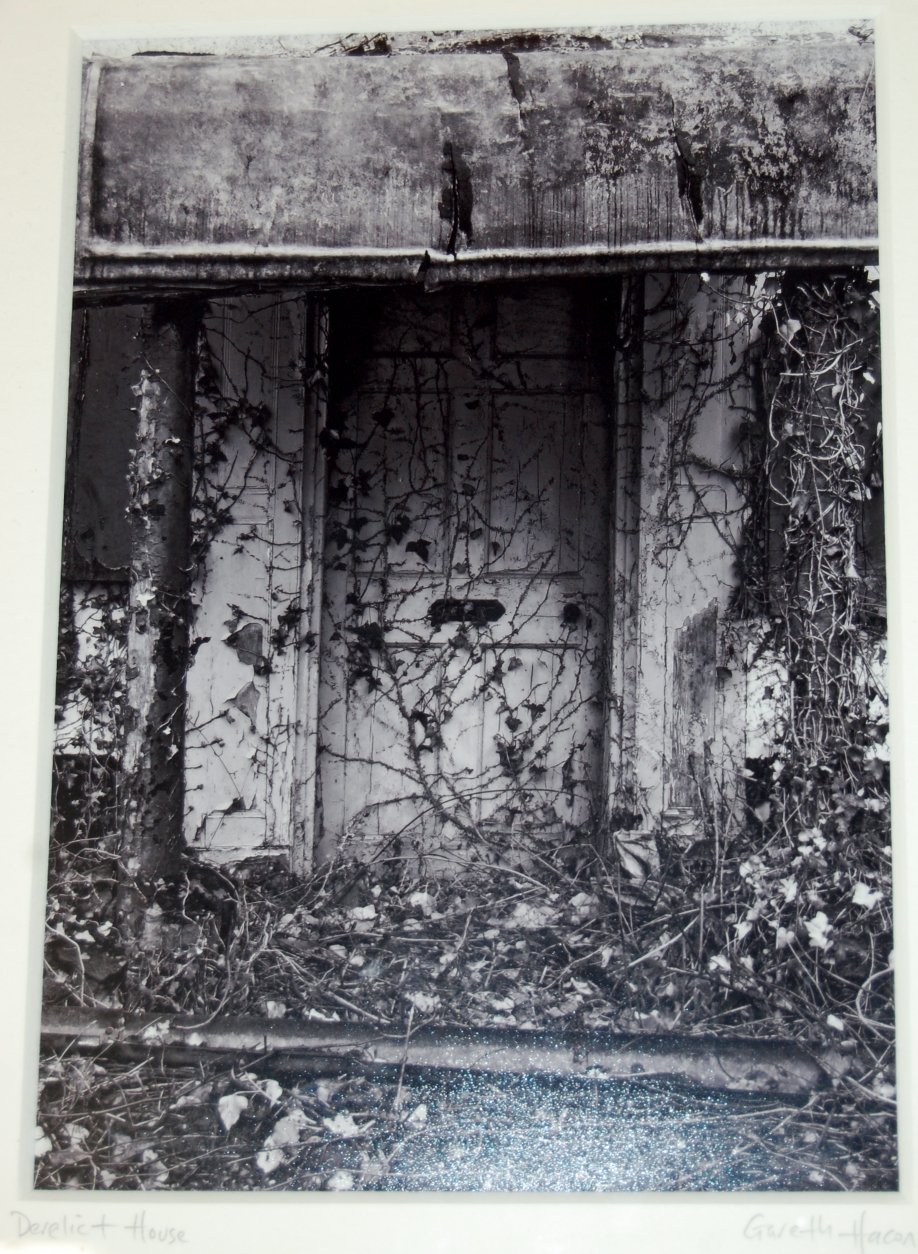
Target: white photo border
[[41, 97]]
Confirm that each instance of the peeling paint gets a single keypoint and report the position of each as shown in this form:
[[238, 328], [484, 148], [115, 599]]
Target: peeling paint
[[248, 644], [246, 701], [248, 518]]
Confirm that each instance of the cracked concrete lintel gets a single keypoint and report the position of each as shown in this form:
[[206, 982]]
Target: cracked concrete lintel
[[781, 135]]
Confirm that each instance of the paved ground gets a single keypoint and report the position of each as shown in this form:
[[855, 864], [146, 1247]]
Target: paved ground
[[534, 1135]]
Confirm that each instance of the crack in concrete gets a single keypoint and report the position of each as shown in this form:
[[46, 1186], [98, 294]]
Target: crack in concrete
[[518, 91], [457, 200]]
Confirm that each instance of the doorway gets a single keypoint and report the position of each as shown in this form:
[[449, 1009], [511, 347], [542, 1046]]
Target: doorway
[[466, 582]]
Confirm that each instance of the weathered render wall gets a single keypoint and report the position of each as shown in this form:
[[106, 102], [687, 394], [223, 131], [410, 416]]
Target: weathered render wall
[[687, 683], [696, 399], [96, 549], [695, 688]]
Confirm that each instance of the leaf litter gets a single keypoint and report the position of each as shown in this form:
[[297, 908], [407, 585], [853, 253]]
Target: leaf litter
[[545, 947]]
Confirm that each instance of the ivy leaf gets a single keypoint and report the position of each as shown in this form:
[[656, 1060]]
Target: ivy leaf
[[196, 1097], [156, 1167], [818, 929], [287, 1130], [531, 917], [342, 1125], [421, 547], [783, 937], [418, 1117], [268, 1160], [341, 1182], [788, 887], [865, 896], [230, 1107], [425, 1002], [422, 901], [155, 1033], [272, 1091]]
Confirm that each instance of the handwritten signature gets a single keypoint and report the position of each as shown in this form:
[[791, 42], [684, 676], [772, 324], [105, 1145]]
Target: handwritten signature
[[862, 1237]]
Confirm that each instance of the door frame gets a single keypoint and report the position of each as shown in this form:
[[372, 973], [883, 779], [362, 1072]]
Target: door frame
[[305, 775], [620, 388]]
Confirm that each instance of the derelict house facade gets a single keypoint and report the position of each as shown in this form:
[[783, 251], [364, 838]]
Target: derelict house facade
[[450, 426]]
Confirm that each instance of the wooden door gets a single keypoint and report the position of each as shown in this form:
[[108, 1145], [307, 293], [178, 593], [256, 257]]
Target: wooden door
[[466, 582]]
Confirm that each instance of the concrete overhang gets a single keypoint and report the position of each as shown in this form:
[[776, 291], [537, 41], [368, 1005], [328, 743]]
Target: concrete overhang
[[734, 147]]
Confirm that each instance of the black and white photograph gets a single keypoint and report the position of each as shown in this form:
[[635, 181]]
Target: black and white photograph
[[471, 756]]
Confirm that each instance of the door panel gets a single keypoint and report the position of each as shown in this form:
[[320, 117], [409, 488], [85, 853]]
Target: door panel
[[461, 709]]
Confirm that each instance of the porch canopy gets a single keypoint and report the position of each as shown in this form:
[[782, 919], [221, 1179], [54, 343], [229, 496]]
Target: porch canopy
[[480, 156]]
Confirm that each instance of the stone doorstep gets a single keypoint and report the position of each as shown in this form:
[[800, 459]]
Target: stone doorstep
[[735, 1065]]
